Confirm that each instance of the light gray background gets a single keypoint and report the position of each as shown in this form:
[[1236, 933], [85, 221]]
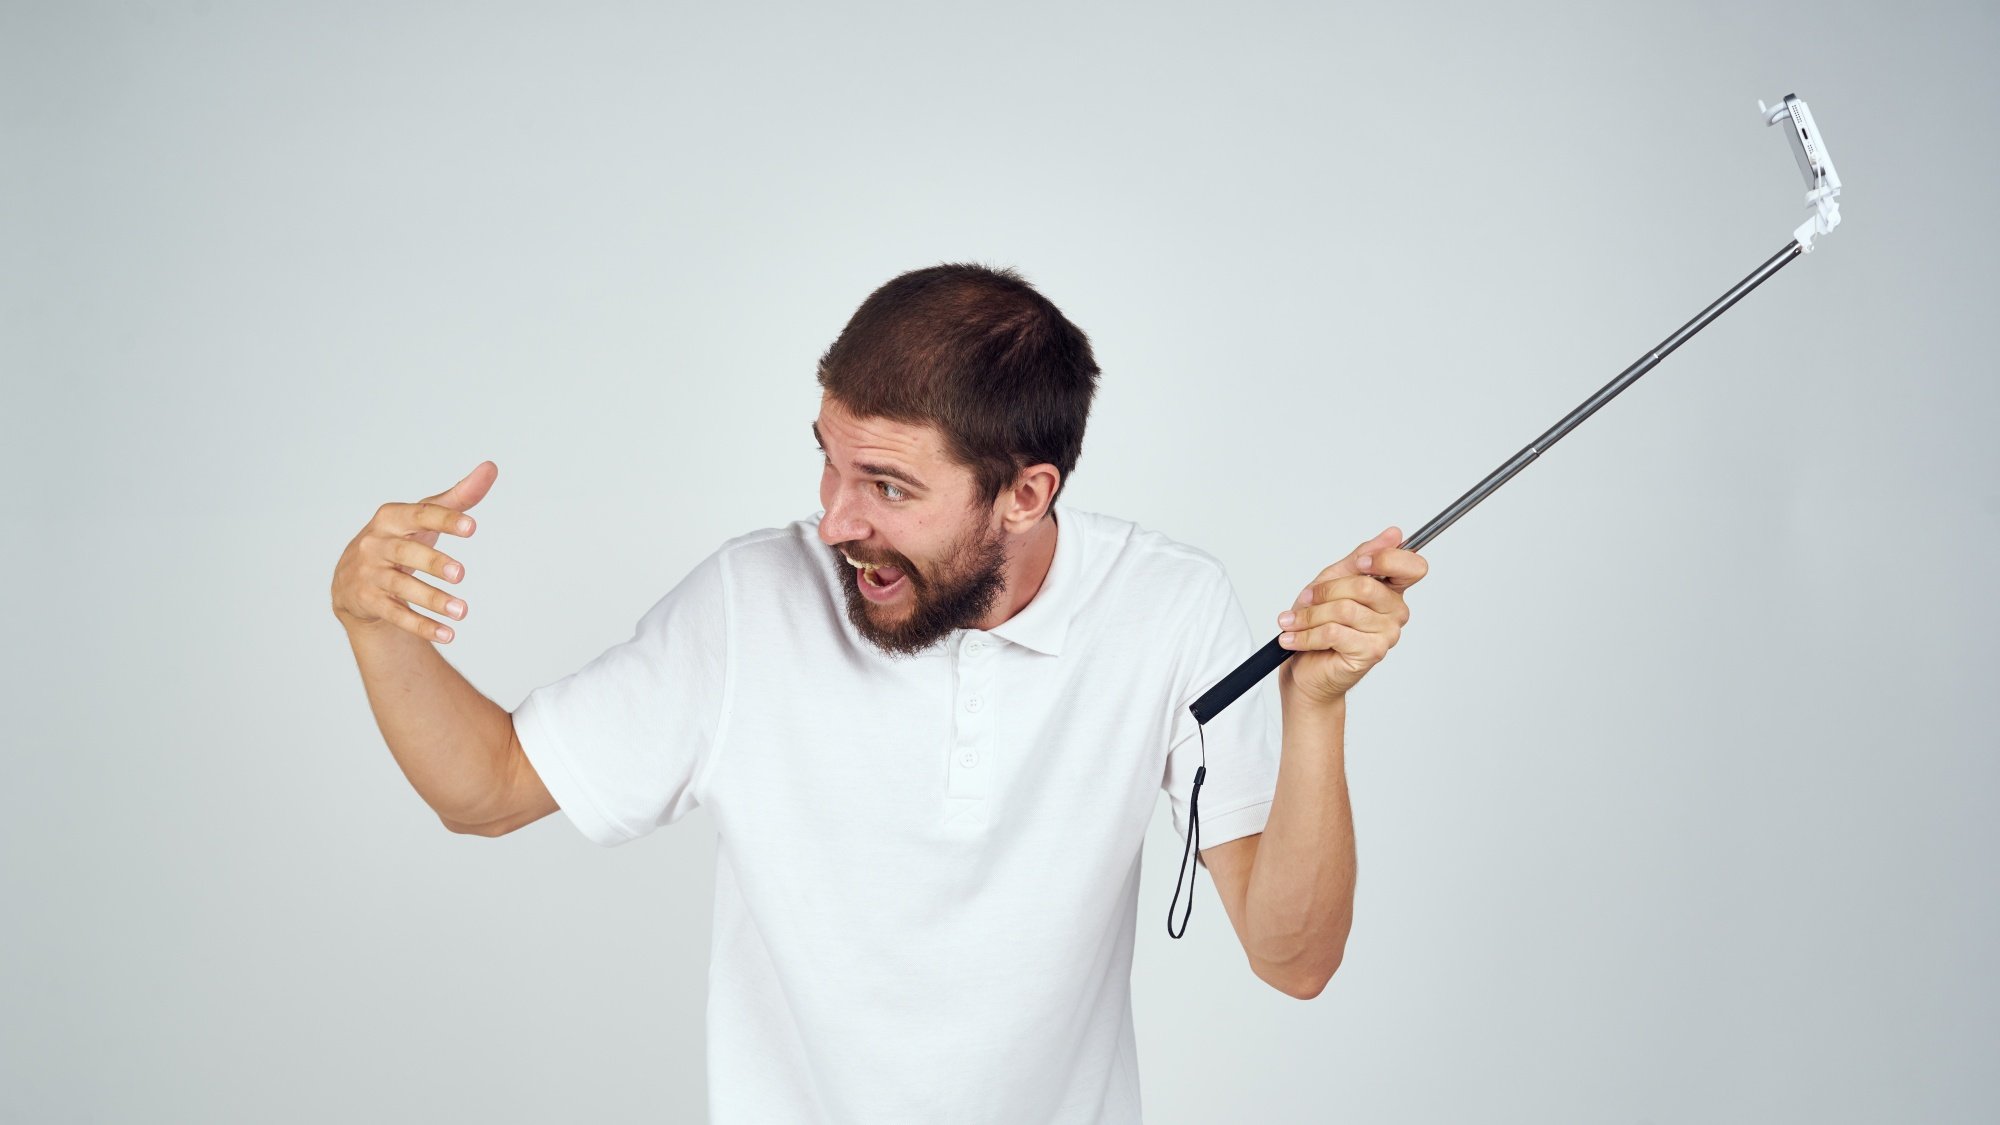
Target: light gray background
[[1674, 803]]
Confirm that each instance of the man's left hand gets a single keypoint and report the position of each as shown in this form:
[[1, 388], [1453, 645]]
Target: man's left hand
[[1348, 619]]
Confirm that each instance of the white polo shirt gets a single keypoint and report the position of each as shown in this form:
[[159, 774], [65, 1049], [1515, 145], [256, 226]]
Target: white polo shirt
[[927, 867]]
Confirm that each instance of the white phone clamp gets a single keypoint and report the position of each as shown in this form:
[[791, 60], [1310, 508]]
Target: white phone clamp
[[1822, 182]]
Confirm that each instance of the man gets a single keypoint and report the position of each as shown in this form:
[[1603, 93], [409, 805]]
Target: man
[[931, 723]]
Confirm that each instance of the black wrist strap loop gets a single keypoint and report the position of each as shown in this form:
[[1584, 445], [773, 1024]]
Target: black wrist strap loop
[[1193, 841]]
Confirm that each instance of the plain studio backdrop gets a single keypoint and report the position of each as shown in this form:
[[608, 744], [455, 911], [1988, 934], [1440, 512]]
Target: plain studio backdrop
[[1674, 803]]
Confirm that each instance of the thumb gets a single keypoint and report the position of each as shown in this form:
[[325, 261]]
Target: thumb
[[1352, 564], [470, 489], [1364, 555]]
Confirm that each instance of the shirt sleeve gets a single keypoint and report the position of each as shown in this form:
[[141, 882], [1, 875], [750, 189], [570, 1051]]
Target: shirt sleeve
[[1242, 742], [622, 742]]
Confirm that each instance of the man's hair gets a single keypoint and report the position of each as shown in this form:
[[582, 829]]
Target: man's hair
[[980, 355]]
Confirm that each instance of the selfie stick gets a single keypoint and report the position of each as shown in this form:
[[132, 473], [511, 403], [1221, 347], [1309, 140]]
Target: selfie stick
[[1823, 184]]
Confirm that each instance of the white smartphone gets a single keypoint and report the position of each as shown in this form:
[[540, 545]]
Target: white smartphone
[[1814, 163]]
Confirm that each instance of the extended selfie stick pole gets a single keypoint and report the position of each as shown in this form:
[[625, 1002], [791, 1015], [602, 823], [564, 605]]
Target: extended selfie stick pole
[[1823, 185]]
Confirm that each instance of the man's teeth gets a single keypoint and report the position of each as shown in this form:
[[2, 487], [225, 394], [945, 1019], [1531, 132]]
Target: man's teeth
[[867, 570]]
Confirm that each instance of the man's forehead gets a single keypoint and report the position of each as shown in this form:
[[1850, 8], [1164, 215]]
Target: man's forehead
[[916, 441]]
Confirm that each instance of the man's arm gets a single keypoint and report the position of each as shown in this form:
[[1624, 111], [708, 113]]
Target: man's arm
[[1289, 890], [456, 747], [1298, 901]]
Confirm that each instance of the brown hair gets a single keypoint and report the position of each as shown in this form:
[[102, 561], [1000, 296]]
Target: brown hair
[[977, 353]]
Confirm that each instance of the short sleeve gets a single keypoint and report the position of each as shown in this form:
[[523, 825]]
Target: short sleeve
[[1243, 741], [621, 742]]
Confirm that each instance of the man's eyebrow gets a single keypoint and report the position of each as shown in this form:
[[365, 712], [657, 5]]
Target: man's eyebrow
[[876, 470]]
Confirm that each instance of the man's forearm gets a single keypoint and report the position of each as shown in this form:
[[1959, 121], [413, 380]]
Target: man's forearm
[[450, 740], [1300, 904]]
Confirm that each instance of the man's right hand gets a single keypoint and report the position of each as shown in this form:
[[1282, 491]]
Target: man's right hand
[[375, 583]]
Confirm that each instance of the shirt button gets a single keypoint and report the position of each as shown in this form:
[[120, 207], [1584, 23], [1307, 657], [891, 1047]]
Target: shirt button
[[974, 646], [972, 704], [969, 759]]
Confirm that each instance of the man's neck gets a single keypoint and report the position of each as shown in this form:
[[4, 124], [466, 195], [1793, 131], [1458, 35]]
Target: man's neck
[[1025, 573]]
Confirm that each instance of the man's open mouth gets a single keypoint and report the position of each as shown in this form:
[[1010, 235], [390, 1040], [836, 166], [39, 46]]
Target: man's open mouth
[[877, 578]]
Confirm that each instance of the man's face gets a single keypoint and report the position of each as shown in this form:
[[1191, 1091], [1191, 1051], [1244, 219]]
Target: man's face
[[893, 499]]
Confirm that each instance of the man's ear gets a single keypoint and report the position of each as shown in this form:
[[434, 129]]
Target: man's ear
[[1028, 501]]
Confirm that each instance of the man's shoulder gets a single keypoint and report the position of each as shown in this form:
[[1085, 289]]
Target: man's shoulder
[[789, 537], [790, 547], [1172, 590], [1149, 551]]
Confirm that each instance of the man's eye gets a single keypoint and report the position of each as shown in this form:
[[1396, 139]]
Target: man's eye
[[826, 460]]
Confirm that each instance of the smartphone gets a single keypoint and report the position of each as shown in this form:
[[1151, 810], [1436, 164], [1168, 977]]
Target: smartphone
[[1814, 163]]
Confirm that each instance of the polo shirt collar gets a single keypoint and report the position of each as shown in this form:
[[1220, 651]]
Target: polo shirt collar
[[1043, 623]]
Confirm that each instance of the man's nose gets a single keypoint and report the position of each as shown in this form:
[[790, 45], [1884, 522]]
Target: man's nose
[[836, 526]]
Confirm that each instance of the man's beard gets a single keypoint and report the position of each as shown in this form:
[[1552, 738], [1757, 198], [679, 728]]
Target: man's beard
[[956, 595]]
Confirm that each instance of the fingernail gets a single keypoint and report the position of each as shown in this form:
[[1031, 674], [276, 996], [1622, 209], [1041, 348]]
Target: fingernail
[[1365, 560], [1286, 618]]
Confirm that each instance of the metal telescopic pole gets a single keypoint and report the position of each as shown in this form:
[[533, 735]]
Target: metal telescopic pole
[[1271, 655]]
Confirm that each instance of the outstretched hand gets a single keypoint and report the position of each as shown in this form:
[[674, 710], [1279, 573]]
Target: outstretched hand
[[375, 582]]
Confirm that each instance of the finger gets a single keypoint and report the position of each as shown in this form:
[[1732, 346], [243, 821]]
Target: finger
[[1399, 568], [1388, 538], [442, 517], [416, 556], [418, 592], [1385, 540], [403, 617], [425, 515], [470, 489], [1362, 588], [1358, 645], [1344, 611]]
